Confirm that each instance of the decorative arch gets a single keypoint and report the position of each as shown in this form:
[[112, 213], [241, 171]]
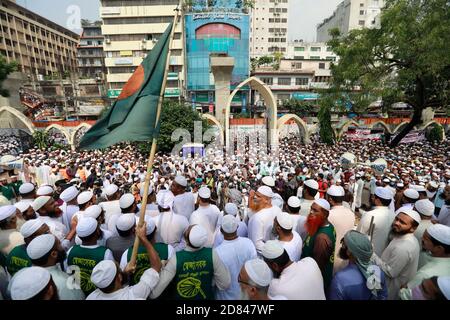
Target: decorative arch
[[15, 119], [340, 131], [430, 123], [214, 120], [271, 104], [60, 129], [300, 123], [75, 131], [398, 127], [383, 124]]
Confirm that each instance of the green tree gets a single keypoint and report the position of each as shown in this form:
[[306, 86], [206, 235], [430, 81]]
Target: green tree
[[327, 103], [406, 59], [41, 139], [277, 56], [5, 69], [436, 133], [297, 107]]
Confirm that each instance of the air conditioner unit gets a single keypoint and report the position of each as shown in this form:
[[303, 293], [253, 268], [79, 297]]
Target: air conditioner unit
[[108, 41]]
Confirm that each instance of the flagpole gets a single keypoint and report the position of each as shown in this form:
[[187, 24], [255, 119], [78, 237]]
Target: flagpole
[[154, 141]]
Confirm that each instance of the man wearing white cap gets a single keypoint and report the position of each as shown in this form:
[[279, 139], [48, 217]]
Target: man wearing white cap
[[378, 231], [112, 206], [164, 251], [127, 204], [85, 199], [300, 280], [70, 205], [125, 226], [27, 194], [151, 209], [26, 210], [254, 279], [194, 270], [34, 283], [17, 258], [434, 288], [46, 251], [400, 259], [436, 242], [444, 213], [234, 251], [410, 196], [9, 236], [170, 226], [45, 190], [343, 220], [321, 241], [207, 215], [98, 214], [426, 210], [230, 209], [310, 191], [184, 202], [293, 207], [87, 255], [261, 222], [283, 230]]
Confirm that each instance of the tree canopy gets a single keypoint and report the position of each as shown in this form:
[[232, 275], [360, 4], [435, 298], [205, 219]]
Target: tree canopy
[[5, 69]]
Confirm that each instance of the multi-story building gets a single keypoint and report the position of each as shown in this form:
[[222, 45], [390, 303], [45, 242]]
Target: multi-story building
[[349, 15], [309, 50], [269, 27], [91, 60], [222, 29], [131, 29], [40, 46]]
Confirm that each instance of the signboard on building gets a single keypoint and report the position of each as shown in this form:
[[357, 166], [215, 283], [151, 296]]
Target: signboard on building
[[110, 10], [305, 96], [123, 61], [126, 53], [171, 92], [412, 137], [114, 93], [90, 110]]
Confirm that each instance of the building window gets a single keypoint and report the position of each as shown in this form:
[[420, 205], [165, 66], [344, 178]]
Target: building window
[[284, 81], [314, 58], [361, 12], [266, 80], [361, 23], [322, 65], [315, 49], [301, 81], [283, 97], [331, 58], [361, 5], [329, 49], [299, 57], [296, 65]]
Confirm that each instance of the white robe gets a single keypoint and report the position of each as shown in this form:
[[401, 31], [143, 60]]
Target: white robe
[[260, 227], [382, 222], [305, 207], [184, 204], [170, 229], [343, 220], [208, 218], [294, 247]]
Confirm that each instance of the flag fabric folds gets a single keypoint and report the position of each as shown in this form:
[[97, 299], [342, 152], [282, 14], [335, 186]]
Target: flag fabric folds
[[132, 117]]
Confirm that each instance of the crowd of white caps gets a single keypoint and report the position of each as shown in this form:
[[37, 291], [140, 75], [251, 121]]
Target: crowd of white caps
[[235, 227]]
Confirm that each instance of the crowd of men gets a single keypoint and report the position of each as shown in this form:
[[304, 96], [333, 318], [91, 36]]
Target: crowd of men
[[298, 225]]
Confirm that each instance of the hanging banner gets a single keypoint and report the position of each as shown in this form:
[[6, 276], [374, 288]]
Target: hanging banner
[[413, 136]]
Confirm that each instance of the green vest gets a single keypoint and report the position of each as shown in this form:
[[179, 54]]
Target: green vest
[[86, 259], [142, 260], [8, 191], [16, 186], [195, 271], [17, 259], [308, 249]]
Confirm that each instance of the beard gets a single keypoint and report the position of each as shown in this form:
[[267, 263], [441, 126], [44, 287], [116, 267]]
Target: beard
[[55, 214], [313, 223], [256, 206], [399, 233]]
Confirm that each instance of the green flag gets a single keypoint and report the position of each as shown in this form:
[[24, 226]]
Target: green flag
[[132, 117]]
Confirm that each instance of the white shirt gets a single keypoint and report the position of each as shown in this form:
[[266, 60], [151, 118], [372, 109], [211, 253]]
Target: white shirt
[[260, 227], [343, 220], [299, 225], [68, 213], [301, 280], [139, 291], [234, 253], [60, 279], [242, 231], [444, 215], [111, 208], [170, 229], [399, 262], [294, 247], [382, 227], [9, 239], [184, 204], [124, 258], [58, 229], [305, 207], [207, 217]]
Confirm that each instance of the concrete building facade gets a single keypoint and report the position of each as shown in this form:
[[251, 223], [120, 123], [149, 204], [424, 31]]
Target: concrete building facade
[[309, 50], [91, 59]]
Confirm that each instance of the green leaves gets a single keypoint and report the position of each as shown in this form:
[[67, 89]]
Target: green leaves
[[5, 69]]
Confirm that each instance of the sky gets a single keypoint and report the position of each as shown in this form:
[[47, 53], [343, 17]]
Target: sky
[[303, 17]]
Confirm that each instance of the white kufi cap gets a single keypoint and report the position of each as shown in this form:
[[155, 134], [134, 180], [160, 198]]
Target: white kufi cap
[[412, 213], [444, 285], [336, 191], [165, 198], [40, 246], [411, 193], [383, 193], [39, 202], [293, 202], [198, 236], [86, 227], [323, 203], [126, 221], [204, 193], [69, 194], [181, 181], [93, 211], [104, 273], [424, 207], [265, 191], [44, 190], [231, 208], [268, 181], [84, 197], [440, 232], [28, 282], [126, 200], [229, 224], [111, 189], [7, 211], [26, 188], [30, 227], [313, 184], [285, 220], [272, 249], [259, 272]]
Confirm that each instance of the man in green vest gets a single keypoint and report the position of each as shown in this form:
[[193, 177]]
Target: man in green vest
[[83, 258], [18, 258], [321, 239], [7, 189], [15, 184], [191, 272], [165, 252]]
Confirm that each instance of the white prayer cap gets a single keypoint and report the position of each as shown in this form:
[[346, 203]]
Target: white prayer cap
[[259, 272], [165, 198], [84, 197], [277, 200], [126, 221], [383, 193], [93, 211], [440, 232], [265, 191], [111, 189], [420, 188], [231, 208], [313, 184], [293, 202], [229, 224], [410, 212], [424, 207], [411, 193], [150, 226], [86, 226], [30, 227], [336, 191], [323, 203], [181, 181], [7, 211], [268, 181], [198, 236], [443, 283], [126, 200], [272, 249], [434, 184], [204, 193], [44, 190], [386, 180], [69, 194], [400, 185], [150, 190], [104, 273], [28, 282], [40, 246], [26, 188], [39, 202], [285, 220]]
